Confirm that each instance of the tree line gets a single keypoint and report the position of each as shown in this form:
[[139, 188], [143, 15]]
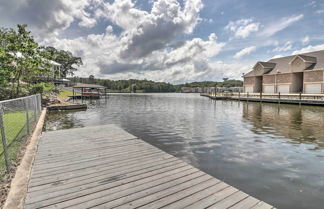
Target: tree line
[[225, 83], [146, 86], [131, 85], [23, 61]]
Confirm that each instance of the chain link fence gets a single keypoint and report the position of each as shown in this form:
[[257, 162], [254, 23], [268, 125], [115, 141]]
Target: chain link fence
[[17, 120]]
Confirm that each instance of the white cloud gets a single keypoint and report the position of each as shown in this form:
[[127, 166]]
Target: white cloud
[[320, 11], [47, 17], [305, 40], [245, 51], [149, 48], [122, 13], [310, 48], [243, 28], [319, 8], [277, 56], [280, 25], [312, 4], [287, 46], [147, 32], [207, 20], [190, 58]]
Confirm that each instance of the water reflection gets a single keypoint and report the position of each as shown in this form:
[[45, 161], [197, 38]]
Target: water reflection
[[272, 152], [299, 123], [62, 120]]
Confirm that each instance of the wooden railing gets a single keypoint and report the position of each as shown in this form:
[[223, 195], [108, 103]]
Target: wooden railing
[[294, 96]]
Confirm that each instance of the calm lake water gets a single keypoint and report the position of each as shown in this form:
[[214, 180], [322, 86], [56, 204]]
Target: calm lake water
[[273, 152]]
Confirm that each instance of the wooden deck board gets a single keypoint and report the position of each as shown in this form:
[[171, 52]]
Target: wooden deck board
[[106, 167], [138, 167]]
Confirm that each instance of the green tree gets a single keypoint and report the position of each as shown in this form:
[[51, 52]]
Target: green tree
[[69, 63], [20, 56], [22, 60], [91, 79]]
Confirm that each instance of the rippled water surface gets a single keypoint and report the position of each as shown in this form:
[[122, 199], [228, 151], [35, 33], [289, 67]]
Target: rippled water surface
[[275, 153]]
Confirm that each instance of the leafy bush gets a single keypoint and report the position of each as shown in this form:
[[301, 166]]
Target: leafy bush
[[49, 87], [4, 93], [37, 88], [40, 88]]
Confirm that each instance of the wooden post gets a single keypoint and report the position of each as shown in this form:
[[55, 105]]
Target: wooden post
[[279, 98], [300, 96], [247, 96], [261, 96], [4, 141], [239, 95]]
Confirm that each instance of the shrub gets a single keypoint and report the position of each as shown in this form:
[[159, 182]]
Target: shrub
[[37, 88], [40, 88]]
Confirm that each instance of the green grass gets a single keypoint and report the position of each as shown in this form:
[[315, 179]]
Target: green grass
[[64, 94], [14, 124]]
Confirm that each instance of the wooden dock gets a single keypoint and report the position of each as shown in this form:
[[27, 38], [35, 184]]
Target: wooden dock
[[106, 167], [292, 100], [67, 107]]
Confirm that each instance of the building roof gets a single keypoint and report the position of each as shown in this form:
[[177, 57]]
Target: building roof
[[85, 85], [307, 58], [282, 64], [267, 64]]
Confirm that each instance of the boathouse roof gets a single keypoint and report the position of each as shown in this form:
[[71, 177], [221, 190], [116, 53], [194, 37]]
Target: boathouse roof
[[90, 86]]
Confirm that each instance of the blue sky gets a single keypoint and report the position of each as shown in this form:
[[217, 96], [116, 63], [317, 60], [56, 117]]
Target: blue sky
[[171, 40]]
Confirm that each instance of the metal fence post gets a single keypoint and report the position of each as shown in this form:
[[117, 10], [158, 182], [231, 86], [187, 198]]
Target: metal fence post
[[3, 138], [27, 116], [40, 102], [35, 102], [36, 105]]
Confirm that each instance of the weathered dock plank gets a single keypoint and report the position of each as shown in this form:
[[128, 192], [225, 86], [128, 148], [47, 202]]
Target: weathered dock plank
[[106, 167]]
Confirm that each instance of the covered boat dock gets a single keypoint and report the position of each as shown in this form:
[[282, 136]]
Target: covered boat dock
[[88, 91]]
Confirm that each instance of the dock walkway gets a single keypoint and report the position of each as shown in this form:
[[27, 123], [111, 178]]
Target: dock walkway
[[291, 100], [106, 167]]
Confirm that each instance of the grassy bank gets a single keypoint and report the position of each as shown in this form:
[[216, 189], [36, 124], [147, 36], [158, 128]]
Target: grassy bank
[[15, 128], [13, 123], [64, 95]]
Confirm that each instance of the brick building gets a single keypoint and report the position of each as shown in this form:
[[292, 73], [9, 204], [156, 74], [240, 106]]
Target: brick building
[[292, 74]]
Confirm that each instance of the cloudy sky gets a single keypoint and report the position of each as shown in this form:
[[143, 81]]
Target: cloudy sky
[[171, 40]]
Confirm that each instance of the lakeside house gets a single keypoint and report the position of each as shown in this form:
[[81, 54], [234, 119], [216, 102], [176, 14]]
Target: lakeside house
[[55, 75], [291, 74]]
